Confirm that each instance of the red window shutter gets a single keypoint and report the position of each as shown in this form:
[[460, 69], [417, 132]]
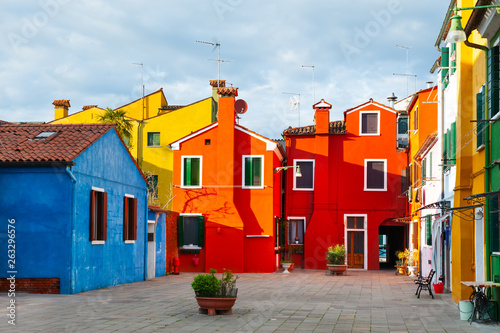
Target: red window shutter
[[105, 216], [125, 218], [134, 232], [92, 214]]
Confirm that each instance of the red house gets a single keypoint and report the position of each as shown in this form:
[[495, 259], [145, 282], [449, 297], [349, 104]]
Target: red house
[[227, 195], [350, 189]]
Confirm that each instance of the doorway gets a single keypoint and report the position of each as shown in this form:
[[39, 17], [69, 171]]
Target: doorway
[[355, 249], [394, 241]]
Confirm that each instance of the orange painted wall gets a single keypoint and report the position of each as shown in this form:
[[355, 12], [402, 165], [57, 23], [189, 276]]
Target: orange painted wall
[[231, 212]]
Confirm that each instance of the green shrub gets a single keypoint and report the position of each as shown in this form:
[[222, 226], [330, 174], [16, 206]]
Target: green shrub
[[336, 255], [208, 285]]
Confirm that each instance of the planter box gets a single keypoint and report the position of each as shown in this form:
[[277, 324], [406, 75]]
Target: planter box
[[336, 269], [209, 305]]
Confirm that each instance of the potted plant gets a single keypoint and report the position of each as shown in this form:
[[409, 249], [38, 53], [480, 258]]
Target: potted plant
[[335, 259], [214, 294], [400, 265], [286, 262], [411, 260]]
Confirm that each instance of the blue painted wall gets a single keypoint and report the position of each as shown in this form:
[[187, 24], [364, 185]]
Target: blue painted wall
[[106, 164], [39, 199], [52, 220]]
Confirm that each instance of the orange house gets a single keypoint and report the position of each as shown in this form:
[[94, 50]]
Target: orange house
[[350, 188], [227, 195]]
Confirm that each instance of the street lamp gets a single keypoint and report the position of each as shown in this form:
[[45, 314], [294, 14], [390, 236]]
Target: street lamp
[[456, 33], [297, 171]]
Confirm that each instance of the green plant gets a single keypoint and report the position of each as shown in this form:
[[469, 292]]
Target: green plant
[[208, 285], [336, 255]]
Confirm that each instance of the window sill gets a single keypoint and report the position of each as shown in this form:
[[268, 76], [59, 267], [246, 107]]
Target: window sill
[[375, 190], [193, 247], [369, 134], [130, 242], [258, 236], [153, 146], [98, 242], [481, 147], [191, 187], [252, 187], [302, 189]]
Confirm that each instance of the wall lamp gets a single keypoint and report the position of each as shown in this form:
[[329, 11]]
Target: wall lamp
[[297, 172], [456, 33]]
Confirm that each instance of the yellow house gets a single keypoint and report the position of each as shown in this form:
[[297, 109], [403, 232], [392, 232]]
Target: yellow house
[[462, 79], [155, 125]]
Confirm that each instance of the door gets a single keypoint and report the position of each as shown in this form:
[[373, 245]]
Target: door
[[151, 250], [355, 249]]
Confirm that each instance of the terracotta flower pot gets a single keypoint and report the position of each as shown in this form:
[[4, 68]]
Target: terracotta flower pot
[[336, 269], [212, 304]]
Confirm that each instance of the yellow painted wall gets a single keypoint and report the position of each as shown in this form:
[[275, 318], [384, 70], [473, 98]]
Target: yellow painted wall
[[469, 162], [172, 125]]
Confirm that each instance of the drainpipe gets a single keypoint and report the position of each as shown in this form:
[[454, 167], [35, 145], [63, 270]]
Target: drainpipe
[[146, 237], [72, 229]]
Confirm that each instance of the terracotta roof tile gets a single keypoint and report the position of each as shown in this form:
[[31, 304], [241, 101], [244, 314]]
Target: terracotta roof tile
[[47, 142], [222, 83], [227, 91], [336, 127], [86, 107], [61, 102]]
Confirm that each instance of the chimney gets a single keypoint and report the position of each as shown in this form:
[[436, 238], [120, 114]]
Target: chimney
[[61, 108], [429, 84], [392, 99], [322, 116], [213, 83], [226, 133]]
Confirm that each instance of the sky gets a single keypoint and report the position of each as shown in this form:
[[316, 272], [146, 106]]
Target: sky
[[85, 51]]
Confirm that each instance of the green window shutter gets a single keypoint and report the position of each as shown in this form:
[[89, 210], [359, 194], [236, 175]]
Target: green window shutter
[[248, 171], [480, 116], [445, 57], [187, 171], [453, 142], [453, 63], [430, 165], [428, 230], [201, 231], [493, 81], [423, 170], [180, 231]]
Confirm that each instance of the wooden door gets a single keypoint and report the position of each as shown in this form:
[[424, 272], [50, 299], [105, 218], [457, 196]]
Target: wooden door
[[355, 249]]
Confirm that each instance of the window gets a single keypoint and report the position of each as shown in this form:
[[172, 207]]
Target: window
[[415, 119], [370, 123], [493, 81], [355, 222], [480, 116], [306, 182], [191, 231], [129, 218], [428, 230], [424, 167], [296, 229], [375, 175], [152, 186], [191, 171], [279, 235], [445, 63], [153, 139], [402, 125], [98, 214], [253, 172]]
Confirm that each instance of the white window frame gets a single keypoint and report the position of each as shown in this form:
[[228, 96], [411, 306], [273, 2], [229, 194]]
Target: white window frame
[[261, 186], [303, 221], [295, 188], [361, 123], [201, 171], [365, 237], [366, 175], [98, 242]]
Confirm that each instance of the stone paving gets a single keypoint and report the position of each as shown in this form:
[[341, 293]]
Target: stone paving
[[303, 301]]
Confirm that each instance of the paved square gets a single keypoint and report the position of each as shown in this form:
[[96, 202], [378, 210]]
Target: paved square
[[303, 301]]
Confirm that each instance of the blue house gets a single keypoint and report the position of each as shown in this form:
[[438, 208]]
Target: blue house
[[76, 203]]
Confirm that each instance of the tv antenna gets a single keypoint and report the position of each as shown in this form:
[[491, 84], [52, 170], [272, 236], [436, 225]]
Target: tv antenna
[[216, 45], [406, 71], [294, 102], [314, 98]]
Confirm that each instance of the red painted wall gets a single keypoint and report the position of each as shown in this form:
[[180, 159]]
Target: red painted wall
[[339, 183]]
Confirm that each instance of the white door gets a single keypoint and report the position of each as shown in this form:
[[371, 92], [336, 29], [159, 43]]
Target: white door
[[151, 249]]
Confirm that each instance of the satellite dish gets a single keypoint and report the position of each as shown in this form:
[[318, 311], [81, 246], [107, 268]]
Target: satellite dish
[[240, 106]]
